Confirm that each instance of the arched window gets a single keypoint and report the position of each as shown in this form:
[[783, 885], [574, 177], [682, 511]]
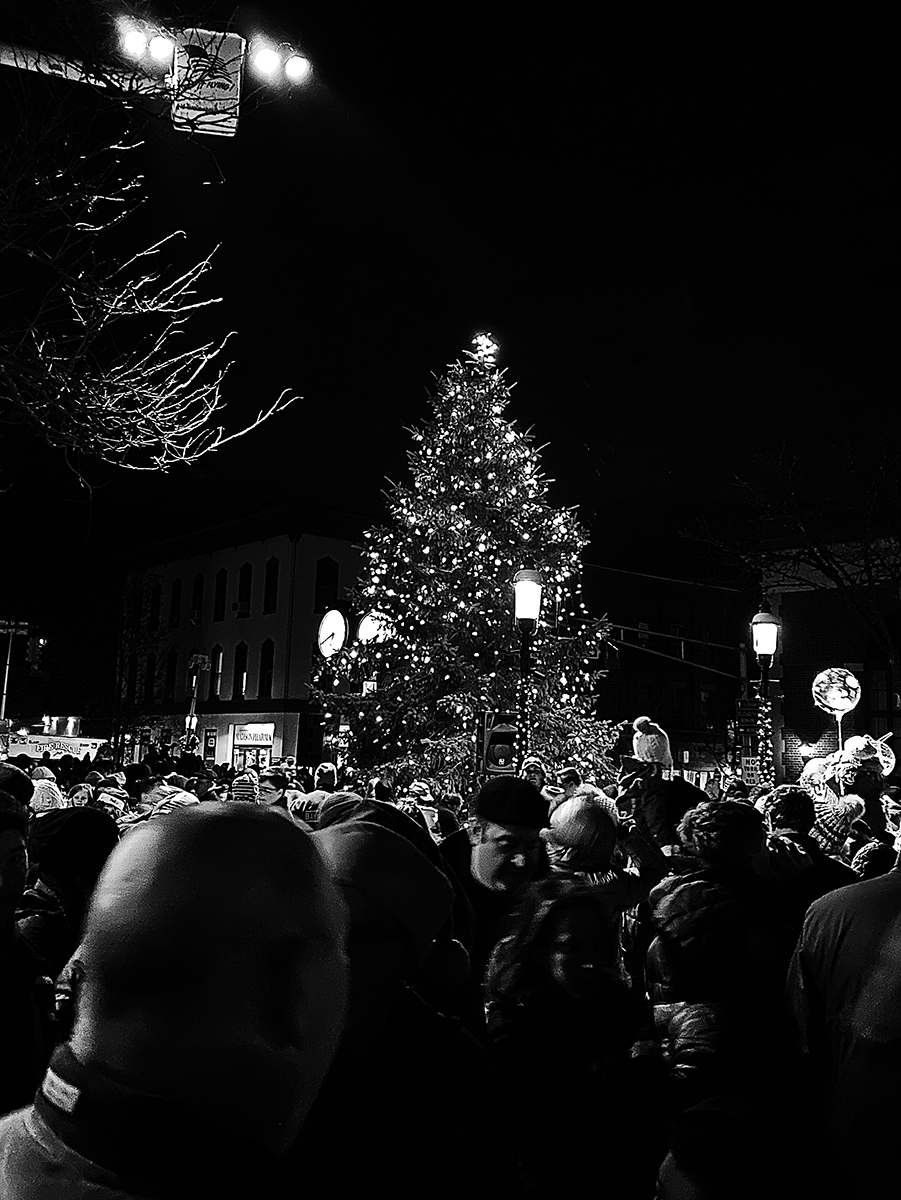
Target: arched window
[[197, 600], [171, 672], [150, 679], [267, 662], [326, 588], [175, 604], [215, 672], [270, 587], [245, 587], [239, 676], [220, 595]]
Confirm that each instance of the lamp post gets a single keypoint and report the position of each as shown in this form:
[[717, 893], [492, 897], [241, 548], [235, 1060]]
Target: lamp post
[[527, 585], [765, 637]]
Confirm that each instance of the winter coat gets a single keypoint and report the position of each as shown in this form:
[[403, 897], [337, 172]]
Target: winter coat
[[716, 970], [795, 861]]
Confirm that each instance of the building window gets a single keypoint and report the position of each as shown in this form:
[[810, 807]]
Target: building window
[[220, 594], [326, 589], [197, 600], [150, 679], [267, 661], [215, 672], [270, 587], [245, 587], [239, 677], [156, 595], [175, 604], [171, 670]]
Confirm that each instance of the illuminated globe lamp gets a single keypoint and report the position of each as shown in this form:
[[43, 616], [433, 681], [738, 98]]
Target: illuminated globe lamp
[[765, 637], [527, 586]]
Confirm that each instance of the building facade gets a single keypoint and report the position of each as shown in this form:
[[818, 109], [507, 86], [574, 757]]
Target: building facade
[[220, 637]]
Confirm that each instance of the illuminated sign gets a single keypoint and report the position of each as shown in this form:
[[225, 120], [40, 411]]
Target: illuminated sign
[[254, 735]]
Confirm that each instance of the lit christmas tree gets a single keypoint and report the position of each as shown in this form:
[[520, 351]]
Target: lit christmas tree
[[439, 643]]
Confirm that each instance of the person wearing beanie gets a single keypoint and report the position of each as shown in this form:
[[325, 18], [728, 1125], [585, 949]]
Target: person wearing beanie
[[46, 797], [67, 848], [407, 1081], [42, 772], [498, 853], [650, 743], [212, 1000]]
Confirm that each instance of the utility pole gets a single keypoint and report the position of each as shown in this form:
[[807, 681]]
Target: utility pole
[[12, 627]]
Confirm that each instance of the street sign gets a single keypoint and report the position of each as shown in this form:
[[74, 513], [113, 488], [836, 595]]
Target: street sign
[[206, 76], [750, 769], [747, 712]]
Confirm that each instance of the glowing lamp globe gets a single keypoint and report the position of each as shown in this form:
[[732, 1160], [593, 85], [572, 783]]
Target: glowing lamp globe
[[765, 633], [527, 595], [835, 691], [267, 61], [160, 48], [298, 68], [134, 43]]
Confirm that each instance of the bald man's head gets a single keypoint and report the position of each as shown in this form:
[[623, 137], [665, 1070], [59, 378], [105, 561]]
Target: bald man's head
[[214, 964]]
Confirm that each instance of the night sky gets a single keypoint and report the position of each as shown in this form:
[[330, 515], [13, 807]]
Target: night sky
[[682, 233]]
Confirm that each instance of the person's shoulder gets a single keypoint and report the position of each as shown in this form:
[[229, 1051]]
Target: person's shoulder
[[37, 1165]]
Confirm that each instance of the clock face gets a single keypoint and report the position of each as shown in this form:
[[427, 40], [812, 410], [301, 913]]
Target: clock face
[[373, 628], [332, 633]]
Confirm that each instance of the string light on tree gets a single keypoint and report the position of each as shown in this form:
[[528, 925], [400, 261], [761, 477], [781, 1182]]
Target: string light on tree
[[438, 578]]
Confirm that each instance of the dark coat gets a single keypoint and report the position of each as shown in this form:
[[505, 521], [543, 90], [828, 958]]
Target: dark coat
[[716, 973]]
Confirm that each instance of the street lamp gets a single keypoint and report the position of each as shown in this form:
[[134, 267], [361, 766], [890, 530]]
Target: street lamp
[[527, 585], [765, 637]]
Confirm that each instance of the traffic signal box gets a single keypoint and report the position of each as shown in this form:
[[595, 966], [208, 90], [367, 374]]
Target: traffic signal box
[[498, 743]]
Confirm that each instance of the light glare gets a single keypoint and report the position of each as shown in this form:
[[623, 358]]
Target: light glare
[[297, 68], [160, 48], [267, 61], [134, 43]]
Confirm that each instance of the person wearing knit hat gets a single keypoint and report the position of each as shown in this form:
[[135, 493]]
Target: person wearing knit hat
[[505, 853], [650, 743], [42, 772], [46, 796], [407, 1081]]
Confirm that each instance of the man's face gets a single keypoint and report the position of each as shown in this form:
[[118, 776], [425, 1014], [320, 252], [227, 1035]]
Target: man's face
[[569, 783], [13, 869], [269, 793], [534, 774], [506, 857]]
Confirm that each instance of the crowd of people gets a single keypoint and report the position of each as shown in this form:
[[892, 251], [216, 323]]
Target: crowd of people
[[218, 982]]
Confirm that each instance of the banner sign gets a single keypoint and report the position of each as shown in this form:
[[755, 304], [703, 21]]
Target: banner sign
[[255, 735], [207, 80], [35, 744]]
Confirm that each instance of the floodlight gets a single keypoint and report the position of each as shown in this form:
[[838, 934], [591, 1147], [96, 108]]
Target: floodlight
[[298, 68], [161, 48], [134, 43], [267, 61]]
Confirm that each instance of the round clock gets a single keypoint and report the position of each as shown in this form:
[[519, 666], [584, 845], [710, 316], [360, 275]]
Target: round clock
[[332, 633], [373, 628]]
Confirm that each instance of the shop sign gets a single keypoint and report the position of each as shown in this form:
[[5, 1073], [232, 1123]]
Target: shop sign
[[255, 735], [209, 745]]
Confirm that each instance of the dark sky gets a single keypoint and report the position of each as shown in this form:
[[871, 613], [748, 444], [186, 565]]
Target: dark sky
[[682, 234]]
